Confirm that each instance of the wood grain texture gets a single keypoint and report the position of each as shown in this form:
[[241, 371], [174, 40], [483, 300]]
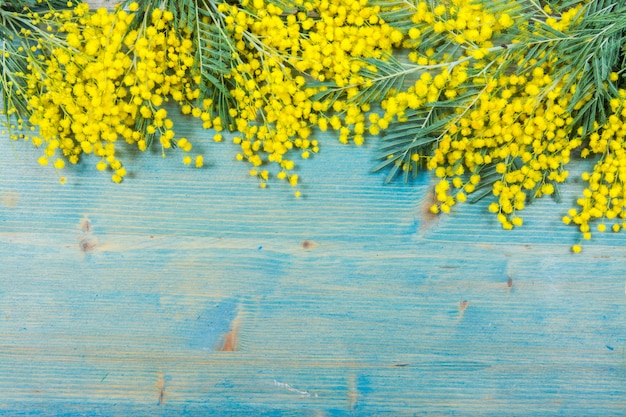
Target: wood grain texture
[[95, 4], [194, 292], [187, 292]]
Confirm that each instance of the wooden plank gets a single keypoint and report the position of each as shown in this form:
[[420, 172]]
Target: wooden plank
[[194, 292], [187, 291]]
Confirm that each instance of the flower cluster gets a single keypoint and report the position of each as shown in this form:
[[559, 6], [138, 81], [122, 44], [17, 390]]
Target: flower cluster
[[604, 197], [527, 141], [295, 59], [493, 97], [488, 119], [108, 84]]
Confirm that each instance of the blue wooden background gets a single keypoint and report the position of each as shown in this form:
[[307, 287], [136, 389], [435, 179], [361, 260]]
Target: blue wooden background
[[194, 292]]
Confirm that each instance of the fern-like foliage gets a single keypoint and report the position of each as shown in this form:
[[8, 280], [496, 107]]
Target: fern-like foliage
[[418, 134], [382, 76], [398, 13], [488, 177], [215, 57], [216, 53], [21, 6], [379, 78], [582, 56], [16, 57], [11, 64]]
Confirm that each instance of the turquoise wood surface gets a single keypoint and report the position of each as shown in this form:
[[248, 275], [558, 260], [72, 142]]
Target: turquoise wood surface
[[194, 292]]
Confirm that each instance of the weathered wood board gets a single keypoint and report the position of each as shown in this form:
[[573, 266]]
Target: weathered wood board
[[194, 292]]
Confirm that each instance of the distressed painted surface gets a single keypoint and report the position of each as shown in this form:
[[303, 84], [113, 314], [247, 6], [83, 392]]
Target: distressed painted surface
[[193, 292], [187, 292]]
